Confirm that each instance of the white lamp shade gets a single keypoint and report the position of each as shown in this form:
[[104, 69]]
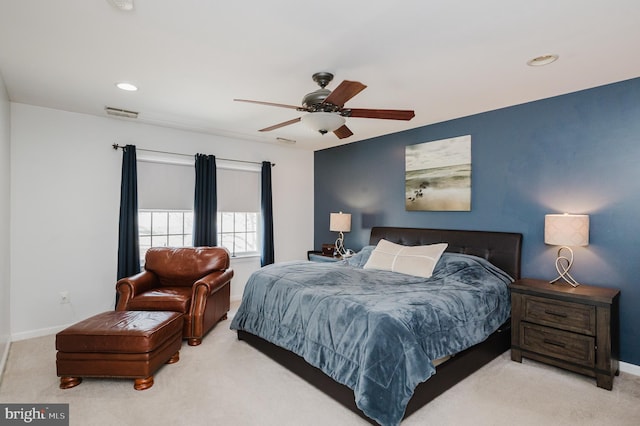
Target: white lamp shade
[[323, 122], [566, 229], [340, 222]]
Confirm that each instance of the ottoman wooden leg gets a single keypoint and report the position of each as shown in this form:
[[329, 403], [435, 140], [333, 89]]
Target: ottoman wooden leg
[[69, 382], [194, 341], [174, 358], [142, 384]]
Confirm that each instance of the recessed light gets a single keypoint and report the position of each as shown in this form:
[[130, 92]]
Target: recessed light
[[542, 60], [129, 87]]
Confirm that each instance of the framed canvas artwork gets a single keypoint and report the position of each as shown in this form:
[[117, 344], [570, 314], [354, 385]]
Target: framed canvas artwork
[[438, 175]]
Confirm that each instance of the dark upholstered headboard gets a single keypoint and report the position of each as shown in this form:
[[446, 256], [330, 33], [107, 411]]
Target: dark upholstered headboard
[[503, 249]]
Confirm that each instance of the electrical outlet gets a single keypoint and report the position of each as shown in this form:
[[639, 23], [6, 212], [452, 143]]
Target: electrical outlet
[[64, 297]]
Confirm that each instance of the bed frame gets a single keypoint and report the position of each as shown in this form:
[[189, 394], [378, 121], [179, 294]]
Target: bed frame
[[502, 249]]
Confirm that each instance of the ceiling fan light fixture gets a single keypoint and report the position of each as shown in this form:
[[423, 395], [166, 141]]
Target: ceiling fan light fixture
[[323, 122]]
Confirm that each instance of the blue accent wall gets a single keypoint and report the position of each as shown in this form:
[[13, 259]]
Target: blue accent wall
[[576, 153]]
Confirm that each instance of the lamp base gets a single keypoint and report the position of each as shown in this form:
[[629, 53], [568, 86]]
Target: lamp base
[[563, 265], [340, 250]]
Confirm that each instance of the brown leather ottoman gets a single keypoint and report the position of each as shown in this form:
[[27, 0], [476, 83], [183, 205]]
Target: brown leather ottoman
[[131, 344]]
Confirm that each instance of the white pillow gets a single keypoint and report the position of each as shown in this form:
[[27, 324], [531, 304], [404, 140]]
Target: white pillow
[[410, 260]]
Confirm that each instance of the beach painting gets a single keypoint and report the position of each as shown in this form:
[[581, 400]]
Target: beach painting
[[438, 175]]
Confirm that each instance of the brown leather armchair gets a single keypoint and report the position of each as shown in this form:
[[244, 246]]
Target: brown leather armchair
[[193, 280]]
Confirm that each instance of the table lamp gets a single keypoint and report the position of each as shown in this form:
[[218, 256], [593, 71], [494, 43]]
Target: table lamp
[[566, 230], [340, 222]]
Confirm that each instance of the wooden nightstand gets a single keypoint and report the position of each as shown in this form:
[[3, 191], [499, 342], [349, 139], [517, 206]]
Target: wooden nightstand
[[318, 256], [572, 328]]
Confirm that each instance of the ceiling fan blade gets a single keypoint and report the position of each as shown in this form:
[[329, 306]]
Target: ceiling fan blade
[[387, 114], [277, 126], [343, 132], [268, 103], [345, 91]]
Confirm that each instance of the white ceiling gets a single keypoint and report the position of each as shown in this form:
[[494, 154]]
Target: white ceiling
[[190, 58]]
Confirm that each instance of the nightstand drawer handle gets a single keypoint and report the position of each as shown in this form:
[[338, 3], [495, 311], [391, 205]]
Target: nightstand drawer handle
[[554, 343], [558, 314]]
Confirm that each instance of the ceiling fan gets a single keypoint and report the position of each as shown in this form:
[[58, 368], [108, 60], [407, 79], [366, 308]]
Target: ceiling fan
[[326, 109]]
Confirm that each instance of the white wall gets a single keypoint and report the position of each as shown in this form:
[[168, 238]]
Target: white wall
[[65, 189], [5, 249]]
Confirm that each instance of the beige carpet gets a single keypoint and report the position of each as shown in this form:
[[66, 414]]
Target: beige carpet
[[226, 382]]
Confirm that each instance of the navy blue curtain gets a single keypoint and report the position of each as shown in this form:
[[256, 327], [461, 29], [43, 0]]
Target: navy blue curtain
[[128, 245], [205, 203], [266, 254]]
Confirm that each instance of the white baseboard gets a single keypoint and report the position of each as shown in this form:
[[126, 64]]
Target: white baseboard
[[5, 357], [38, 333], [625, 367]]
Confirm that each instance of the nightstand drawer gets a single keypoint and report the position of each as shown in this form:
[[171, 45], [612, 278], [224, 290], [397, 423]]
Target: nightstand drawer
[[565, 315], [559, 344]]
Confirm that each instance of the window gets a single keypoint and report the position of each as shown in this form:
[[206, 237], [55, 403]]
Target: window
[[164, 228], [165, 214], [237, 231], [239, 211]]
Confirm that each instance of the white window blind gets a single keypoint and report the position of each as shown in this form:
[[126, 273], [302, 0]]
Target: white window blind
[[165, 186], [238, 190], [170, 185]]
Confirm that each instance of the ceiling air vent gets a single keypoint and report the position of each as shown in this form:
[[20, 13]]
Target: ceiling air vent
[[285, 140], [117, 112], [125, 5]]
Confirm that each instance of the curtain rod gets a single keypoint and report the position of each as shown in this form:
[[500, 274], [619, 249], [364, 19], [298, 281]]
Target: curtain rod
[[116, 146]]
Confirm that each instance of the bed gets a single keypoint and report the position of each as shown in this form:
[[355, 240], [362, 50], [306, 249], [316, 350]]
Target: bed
[[371, 339]]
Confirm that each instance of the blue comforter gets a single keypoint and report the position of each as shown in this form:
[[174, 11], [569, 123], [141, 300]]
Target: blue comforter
[[374, 331]]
